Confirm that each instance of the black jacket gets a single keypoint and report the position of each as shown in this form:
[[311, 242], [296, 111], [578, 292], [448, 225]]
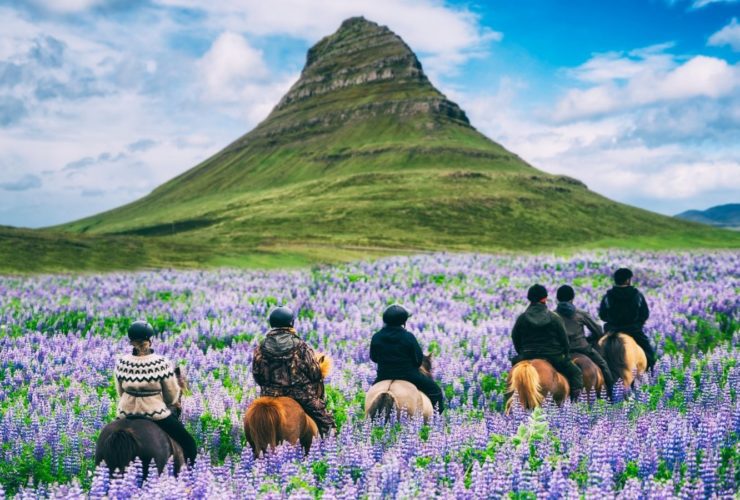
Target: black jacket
[[396, 351], [539, 332], [574, 320], [624, 308]]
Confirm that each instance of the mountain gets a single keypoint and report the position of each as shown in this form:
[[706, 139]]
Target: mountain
[[364, 156], [727, 216]]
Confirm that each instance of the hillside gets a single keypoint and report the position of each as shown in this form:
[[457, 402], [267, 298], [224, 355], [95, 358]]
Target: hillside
[[727, 216], [364, 156]]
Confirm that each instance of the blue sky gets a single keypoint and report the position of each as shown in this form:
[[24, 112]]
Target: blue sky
[[103, 100]]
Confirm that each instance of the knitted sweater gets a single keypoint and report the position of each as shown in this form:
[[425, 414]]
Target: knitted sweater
[[146, 386]]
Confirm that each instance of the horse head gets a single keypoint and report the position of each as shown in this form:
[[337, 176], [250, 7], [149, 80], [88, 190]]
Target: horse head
[[325, 363], [426, 365], [182, 381]]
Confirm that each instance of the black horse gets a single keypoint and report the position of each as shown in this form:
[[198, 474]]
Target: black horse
[[122, 440]]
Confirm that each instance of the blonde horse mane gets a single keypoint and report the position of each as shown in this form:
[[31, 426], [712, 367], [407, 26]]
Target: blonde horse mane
[[325, 363], [525, 380]]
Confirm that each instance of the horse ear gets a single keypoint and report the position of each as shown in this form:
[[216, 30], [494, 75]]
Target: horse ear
[[178, 371]]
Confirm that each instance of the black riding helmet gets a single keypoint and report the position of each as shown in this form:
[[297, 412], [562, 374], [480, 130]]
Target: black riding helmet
[[281, 317], [140, 330], [395, 315]]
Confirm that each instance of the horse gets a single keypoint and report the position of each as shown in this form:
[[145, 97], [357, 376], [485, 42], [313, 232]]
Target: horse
[[122, 440], [533, 380], [624, 357], [271, 420], [593, 379], [386, 395]]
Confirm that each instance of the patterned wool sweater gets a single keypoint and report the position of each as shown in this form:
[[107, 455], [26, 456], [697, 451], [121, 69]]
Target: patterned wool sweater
[[146, 386]]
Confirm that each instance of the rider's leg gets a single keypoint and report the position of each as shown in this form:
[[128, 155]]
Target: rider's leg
[[429, 387], [644, 342], [572, 373], [596, 357], [315, 407], [174, 428]]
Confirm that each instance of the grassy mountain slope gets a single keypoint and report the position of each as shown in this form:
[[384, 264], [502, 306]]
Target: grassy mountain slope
[[364, 157]]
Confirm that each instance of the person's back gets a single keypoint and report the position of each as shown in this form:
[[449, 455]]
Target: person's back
[[625, 310], [285, 365], [539, 333], [148, 388], [574, 321], [399, 355]]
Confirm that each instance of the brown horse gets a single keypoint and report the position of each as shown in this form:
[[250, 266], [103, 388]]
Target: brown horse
[[124, 439], [385, 396], [624, 357], [593, 379], [271, 420], [533, 380]]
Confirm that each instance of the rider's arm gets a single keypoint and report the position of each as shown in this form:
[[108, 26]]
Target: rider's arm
[[644, 310], [604, 310], [257, 371], [593, 327], [170, 388], [373, 350], [416, 352], [562, 334], [311, 364], [516, 335], [117, 383]]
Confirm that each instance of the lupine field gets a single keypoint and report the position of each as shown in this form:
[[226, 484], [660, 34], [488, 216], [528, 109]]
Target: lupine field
[[674, 436]]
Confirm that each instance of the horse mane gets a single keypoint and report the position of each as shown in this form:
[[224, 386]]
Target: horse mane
[[526, 382], [382, 405], [119, 449], [326, 364], [264, 420]]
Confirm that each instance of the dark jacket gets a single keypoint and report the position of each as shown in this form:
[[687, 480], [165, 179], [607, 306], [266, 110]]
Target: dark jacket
[[396, 351], [624, 308], [540, 332], [283, 360], [574, 320]]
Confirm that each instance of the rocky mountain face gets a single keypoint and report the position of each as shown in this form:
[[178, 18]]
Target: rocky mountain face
[[361, 72]]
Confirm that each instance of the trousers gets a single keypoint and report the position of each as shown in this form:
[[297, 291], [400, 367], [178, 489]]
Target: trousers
[[599, 360], [174, 428]]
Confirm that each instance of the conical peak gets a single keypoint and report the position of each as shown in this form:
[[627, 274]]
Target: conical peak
[[359, 52]]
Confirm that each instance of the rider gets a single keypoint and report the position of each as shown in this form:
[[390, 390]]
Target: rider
[[574, 320], [148, 388], [285, 365], [399, 356], [539, 333], [625, 310]]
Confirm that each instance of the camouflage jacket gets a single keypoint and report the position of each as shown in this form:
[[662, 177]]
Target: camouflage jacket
[[284, 364]]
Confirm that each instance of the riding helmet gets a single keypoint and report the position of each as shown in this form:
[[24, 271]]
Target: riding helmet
[[281, 317], [566, 293], [622, 275], [140, 330], [536, 293], [395, 315]]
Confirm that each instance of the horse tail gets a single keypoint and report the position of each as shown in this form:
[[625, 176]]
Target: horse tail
[[382, 405], [525, 380], [119, 449], [261, 424], [615, 354]]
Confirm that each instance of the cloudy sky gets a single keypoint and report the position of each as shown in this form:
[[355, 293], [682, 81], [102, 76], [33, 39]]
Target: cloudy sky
[[103, 100]]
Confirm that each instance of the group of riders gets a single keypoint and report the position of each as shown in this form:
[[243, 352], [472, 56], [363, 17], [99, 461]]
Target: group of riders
[[284, 365]]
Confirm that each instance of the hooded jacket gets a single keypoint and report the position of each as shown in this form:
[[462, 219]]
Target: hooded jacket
[[283, 360], [624, 308], [574, 320], [539, 332], [396, 351]]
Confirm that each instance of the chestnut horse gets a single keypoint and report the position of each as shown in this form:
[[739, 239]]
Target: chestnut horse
[[624, 357], [385, 396], [534, 379], [124, 439], [271, 420]]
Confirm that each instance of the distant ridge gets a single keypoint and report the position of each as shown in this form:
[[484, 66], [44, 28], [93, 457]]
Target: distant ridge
[[727, 216], [363, 156]]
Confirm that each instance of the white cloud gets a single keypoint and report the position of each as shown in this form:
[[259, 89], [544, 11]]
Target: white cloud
[[618, 82], [229, 65], [728, 35], [698, 4], [419, 22]]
